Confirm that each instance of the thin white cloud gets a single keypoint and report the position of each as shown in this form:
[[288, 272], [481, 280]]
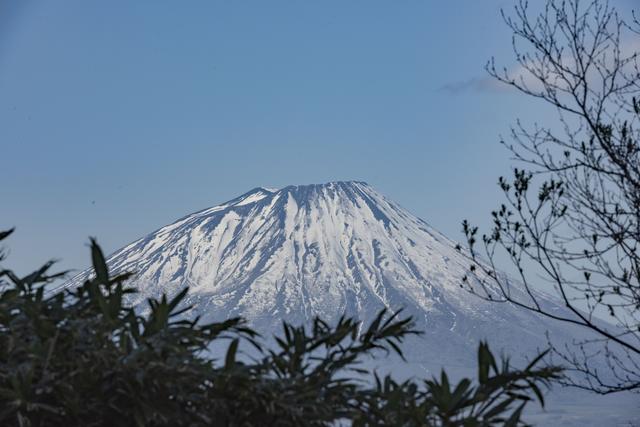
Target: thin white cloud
[[628, 47], [475, 84]]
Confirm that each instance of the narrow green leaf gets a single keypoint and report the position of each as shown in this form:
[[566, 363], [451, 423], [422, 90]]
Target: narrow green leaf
[[230, 359], [6, 233], [99, 263], [176, 300], [514, 419]]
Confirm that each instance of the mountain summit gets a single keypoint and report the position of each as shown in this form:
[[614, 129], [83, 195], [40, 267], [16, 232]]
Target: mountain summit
[[325, 250]]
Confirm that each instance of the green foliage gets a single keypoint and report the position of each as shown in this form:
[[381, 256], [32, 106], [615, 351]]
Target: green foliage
[[85, 357]]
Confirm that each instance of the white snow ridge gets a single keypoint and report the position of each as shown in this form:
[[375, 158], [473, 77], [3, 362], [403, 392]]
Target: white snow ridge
[[326, 250]]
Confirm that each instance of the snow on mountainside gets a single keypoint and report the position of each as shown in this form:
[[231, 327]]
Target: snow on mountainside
[[299, 251], [338, 248], [326, 250]]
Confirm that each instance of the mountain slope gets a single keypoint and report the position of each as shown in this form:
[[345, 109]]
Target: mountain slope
[[325, 250], [338, 248]]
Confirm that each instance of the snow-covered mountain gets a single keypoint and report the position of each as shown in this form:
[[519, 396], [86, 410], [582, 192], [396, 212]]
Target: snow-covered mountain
[[338, 248], [326, 250]]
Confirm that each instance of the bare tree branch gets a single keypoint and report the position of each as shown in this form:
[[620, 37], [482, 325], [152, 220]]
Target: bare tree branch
[[571, 217]]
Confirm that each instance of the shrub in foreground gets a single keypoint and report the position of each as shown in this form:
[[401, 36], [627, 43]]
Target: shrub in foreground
[[84, 356]]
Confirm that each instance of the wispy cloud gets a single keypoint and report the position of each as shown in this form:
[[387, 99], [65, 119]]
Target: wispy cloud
[[475, 84], [519, 73]]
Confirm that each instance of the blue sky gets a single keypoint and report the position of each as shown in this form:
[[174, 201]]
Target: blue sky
[[118, 117]]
